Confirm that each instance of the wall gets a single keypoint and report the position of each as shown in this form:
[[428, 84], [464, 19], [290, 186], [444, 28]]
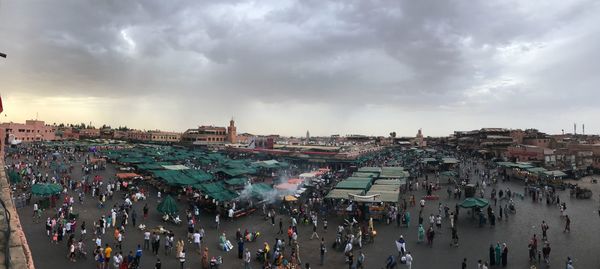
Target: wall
[[19, 249]]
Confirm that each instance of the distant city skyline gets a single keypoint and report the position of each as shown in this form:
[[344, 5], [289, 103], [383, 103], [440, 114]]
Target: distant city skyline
[[306, 134], [285, 66]]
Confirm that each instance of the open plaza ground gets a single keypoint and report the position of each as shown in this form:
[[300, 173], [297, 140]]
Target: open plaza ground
[[474, 241]]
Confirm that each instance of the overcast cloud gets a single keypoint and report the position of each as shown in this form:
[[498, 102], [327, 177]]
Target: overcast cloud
[[331, 67]]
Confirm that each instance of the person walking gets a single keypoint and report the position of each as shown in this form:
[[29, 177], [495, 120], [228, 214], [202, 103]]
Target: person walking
[[158, 264], [401, 246], [145, 210], [360, 261], [544, 230], [464, 264], [247, 259], [133, 217], [280, 226], [567, 224], [138, 254], [217, 220], [182, 258], [314, 233], [107, 253], [498, 254], [504, 255], [323, 251], [156, 244], [350, 260], [204, 259], [454, 237], [546, 252], [409, 260], [240, 248], [570, 263], [430, 236], [492, 255]]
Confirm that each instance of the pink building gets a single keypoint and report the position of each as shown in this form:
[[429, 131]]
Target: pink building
[[32, 130]]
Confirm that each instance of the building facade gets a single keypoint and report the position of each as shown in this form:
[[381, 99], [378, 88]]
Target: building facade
[[232, 132], [488, 141], [204, 135], [210, 135], [67, 133], [30, 131], [167, 137], [528, 153], [89, 133]]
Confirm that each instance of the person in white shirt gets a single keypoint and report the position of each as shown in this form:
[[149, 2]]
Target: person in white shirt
[[146, 240], [72, 252], [409, 260], [120, 241], [182, 258], [114, 217], [117, 259], [197, 239], [35, 210], [247, 259], [348, 248], [201, 232], [230, 214]]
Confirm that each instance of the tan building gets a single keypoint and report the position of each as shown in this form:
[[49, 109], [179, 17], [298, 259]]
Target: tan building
[[210, 135], [232, 132], [67, 133], [89, 133], [137, 135], [118, 134], [169, 137], [154, 136], [30, 131], [205, 135], [420, 140], [529, 153]]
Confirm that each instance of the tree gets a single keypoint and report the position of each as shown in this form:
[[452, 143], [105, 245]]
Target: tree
[[393, 134]]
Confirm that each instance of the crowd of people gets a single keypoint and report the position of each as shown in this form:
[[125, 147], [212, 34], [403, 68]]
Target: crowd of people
[[119, 218]]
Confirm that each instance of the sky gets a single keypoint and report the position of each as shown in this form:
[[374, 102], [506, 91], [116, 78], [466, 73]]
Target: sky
[[285, 67]]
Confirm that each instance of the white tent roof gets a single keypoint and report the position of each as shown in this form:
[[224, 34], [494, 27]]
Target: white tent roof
[[175, 167]]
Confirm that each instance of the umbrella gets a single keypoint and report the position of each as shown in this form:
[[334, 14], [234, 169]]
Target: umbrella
[[167, 206], [45, 189], [474, 203]]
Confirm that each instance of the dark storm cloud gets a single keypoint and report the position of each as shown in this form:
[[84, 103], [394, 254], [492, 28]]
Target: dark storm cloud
[[412, 54]]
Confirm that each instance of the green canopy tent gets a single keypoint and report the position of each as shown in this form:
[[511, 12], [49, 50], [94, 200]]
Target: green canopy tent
[[167, 206], [45, 189], [474, 203], [14, 177]]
